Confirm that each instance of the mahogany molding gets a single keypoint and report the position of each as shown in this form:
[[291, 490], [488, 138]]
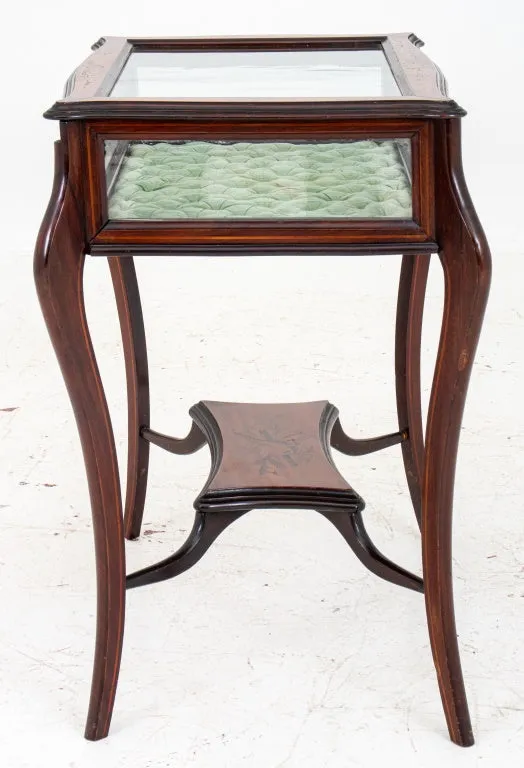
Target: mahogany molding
[[423, 90], [285, 236]]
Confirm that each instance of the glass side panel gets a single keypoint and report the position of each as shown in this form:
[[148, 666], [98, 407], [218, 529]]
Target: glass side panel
[[259, 180], [256, 74]]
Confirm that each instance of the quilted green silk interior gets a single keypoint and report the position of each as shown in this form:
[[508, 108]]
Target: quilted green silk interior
[[216, 180]]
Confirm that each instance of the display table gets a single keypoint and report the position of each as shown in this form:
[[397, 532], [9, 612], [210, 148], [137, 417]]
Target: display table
[[247, 146]]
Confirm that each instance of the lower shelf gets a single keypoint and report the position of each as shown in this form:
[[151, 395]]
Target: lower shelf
[[266, 456]]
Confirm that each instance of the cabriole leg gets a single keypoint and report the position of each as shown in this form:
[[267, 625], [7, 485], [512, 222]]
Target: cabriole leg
[[58, 269], [466, 262]]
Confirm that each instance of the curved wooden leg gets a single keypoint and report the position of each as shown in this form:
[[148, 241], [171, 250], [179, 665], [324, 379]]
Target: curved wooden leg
[[135, 355], [351, 447], [206, 529], [58, 268], [192, 443], [351, 526], [467, 270], [410, 308]]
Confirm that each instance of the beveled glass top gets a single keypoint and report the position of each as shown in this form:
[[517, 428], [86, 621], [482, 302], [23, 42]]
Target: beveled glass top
[[257, 74]]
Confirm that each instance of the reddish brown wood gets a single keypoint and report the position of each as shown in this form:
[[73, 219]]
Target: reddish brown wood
[[209, 525], [258, 43], [466, 262], [349, 109], [250, 237], [164, 247], [58, 269], [416, 76], [206, 529], [351, 447], [443, 219], [182, 447], [352, 528], [271, 445], [137, 375], [269, 457], [278, 235], [410, 308]]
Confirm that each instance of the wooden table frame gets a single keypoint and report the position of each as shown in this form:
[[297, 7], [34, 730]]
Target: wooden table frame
[[444, 222]]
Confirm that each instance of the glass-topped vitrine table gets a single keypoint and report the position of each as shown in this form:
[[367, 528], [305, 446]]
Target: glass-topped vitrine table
[[343, 145]]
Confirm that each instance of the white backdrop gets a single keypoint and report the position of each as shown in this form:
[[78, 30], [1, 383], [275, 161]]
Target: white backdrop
[[475, 42]]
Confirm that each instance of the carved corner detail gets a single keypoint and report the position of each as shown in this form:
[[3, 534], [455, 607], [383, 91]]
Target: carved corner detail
[[417, 42], [99, 43]]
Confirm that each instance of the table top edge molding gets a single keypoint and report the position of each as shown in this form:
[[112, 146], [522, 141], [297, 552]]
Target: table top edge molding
[[422, 85], [165, 109]]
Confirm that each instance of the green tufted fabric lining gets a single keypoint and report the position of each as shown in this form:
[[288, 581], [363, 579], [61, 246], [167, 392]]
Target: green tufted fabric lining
[[216, 180]]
